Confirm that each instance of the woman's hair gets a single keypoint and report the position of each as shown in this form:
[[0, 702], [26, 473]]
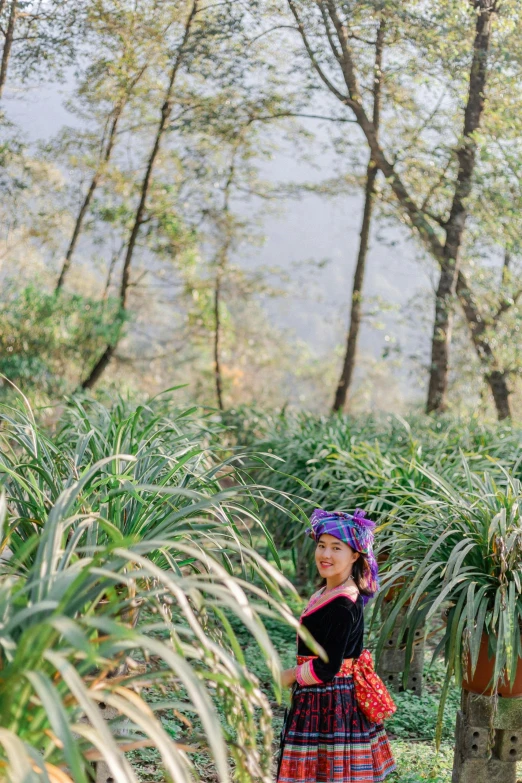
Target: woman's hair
[[361, 574]]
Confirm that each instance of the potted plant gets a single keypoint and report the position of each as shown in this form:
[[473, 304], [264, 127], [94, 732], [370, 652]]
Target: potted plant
[[463, 545]]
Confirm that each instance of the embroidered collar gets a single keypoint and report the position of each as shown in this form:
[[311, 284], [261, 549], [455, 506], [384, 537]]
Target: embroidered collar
[[320, 598]]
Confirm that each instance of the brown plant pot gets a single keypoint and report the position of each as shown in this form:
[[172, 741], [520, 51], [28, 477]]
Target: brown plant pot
[[480, 681]]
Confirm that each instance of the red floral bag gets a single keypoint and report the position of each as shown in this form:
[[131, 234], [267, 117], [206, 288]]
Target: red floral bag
[[371, 694]]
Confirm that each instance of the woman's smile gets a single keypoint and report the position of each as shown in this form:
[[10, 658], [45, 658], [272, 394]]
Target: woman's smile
[[334, 559]]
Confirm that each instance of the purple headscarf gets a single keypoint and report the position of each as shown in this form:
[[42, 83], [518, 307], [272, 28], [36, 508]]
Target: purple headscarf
[[355, 530]]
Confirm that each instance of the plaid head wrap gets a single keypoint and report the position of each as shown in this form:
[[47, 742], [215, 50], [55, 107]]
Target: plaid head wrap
[[355, 530]]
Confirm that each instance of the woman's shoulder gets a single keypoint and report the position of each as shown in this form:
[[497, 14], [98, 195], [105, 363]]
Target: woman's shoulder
[[350, 599], [344, 600]]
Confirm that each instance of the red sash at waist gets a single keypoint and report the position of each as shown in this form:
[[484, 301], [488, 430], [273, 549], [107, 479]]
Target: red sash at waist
[[346, 669]]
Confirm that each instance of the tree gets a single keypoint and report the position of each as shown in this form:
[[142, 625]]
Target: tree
[[164, 118], [127, 42], [45, 342], [39, 35], [343, 386], [8, 41], [237, 146], [209, 94], [335, 47], [221, 261], [31, 220]]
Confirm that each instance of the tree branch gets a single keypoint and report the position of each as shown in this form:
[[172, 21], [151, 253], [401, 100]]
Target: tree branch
[[437, 218], [304, 114], [506, 305], [331, 41], [417, 219], [431, 191], [333, 89], [271, 29]]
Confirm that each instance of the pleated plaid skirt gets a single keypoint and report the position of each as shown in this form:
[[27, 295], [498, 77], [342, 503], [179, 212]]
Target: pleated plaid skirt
[[326, 739]]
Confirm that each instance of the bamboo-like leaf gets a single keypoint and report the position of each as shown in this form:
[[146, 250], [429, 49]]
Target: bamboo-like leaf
[[143, 717], [444, 594], [60, 723], [101, 734], [476, 636], [20, 767]]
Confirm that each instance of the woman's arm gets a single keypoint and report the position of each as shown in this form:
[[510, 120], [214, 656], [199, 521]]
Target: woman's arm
[[288, 677]]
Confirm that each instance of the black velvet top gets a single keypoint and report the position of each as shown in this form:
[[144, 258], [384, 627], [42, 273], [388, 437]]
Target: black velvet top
[[337, 624]]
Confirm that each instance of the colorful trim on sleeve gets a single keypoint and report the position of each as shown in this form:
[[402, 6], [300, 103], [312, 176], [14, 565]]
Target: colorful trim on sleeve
[[305, 674]]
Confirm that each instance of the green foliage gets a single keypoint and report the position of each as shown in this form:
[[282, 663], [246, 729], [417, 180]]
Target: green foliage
[[418, 762], [46, 341], [416, 717], [134, 535], [375, 462], [281, 635], [447, 501], [45, 41]]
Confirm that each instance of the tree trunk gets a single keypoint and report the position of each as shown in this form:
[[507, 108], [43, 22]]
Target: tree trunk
[[166, 111], [497, 381], [221, 263], [100, 367], [217, 342], [506, 265], [494, 376], [88, 197], [343, 387], [113, 262], [441, 339], [104, 360], [8, 44]]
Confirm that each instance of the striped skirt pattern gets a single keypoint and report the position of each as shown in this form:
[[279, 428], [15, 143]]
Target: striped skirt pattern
[[326, 739]]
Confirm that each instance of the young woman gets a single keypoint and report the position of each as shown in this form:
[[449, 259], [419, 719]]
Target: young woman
[[326, 737]]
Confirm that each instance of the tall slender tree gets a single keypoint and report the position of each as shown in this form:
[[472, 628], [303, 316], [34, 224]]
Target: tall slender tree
[[128, 40], [344, 384], [455, 224], [221, 261], [226, 228], [162, 125], [209, 97]]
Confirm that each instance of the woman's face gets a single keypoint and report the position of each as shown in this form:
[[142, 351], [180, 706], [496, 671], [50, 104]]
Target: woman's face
[[333, 557]]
